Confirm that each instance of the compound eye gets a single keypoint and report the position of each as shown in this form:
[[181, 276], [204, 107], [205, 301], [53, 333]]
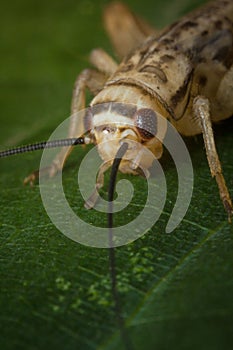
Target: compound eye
[[146, 123]]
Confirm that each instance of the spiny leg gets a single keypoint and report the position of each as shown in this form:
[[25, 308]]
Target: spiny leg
[[88, 79], [202, 112], [91, 201], [125, 30]]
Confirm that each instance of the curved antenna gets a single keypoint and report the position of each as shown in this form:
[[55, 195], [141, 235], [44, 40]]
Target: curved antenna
[[43, 145], [112, 258]]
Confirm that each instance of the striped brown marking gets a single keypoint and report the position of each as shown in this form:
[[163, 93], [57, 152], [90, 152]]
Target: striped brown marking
[[218, 25], [188, 24], [124, 109], [204, 33], [166, 58], [155, 70], [100, 108], [225, 56], [88, 120], [202, 80], [181, 92], [127, 67], [166, 41]]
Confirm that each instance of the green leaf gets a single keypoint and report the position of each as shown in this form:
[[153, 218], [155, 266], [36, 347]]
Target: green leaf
[[175, 289]]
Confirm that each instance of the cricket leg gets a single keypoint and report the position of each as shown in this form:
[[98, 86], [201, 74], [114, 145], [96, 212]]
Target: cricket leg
[[201, 110], [88, 79], [91, 201], [103, 62], [125, 30], [93, 81]]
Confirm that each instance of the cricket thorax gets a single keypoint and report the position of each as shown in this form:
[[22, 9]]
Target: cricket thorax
[[171, 65]]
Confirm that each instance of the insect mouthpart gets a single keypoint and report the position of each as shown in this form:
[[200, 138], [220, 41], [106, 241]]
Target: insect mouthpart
[[108, 130]]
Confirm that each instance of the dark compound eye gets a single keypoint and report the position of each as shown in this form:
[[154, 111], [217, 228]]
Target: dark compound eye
[[146, 123]]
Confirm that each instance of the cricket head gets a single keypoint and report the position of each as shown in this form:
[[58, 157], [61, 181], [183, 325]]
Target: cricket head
[[140, 126]]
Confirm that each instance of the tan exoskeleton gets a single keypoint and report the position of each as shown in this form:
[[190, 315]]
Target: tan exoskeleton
[[184, 73]]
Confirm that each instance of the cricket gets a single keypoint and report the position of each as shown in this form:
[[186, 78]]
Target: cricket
[[183, 73]]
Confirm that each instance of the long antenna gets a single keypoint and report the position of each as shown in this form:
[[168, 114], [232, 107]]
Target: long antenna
[[43, 145], [112, 258]]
